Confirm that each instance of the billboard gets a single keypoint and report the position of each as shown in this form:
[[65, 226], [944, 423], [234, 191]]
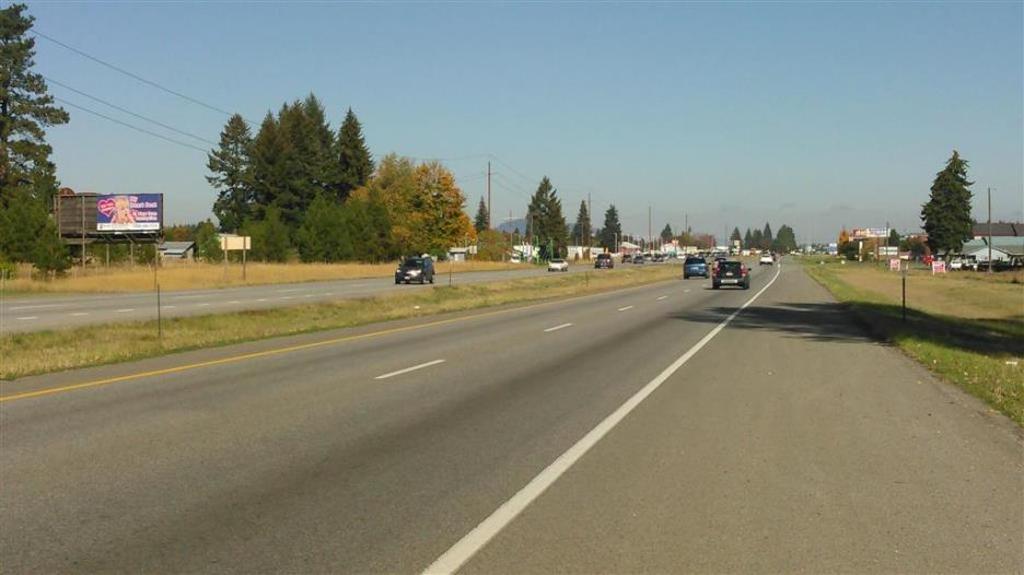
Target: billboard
[[129, 212], [866, 233]]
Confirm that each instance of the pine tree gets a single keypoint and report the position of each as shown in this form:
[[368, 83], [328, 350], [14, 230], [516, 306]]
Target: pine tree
[[735, 236], [582, 229], [229, 168], [545, 225], [480, 223], [748, 240], [355, 164], [766, 237], [757, 240], [894, 238], [785, 240], [324, 234], [947, 214], [268, 174], [26, 110], [323, 168], [666, 233], [611, 233]]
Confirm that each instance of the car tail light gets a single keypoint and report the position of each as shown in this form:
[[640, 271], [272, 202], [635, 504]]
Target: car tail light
[[743, 270]]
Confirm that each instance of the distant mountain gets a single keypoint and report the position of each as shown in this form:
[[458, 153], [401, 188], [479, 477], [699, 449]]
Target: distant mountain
[[511, 225]]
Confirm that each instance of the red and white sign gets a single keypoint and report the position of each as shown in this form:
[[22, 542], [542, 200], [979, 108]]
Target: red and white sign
[[894, 265], [938, 267]]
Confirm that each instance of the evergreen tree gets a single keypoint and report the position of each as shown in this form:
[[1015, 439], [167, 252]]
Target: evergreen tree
[[766, 237], [894, 238], [267, 163], [26, 110], [28, 234], [666, 234], [355, 164], [545, 224], [229, 168], [480, 223], [324, 234], [748, 240], [270, 238], [582, 229], [947, 214], [299, 162], [208, 243], [735, 236], [323, 167], [611, 233], [785, 240], [757, 240]]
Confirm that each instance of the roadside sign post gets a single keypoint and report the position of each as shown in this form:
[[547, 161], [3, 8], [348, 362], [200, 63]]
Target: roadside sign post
[[905, 291], [159, 318]]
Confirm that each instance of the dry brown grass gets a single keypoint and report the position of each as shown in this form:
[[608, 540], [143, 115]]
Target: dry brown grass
[[42, 352], [186, 276]]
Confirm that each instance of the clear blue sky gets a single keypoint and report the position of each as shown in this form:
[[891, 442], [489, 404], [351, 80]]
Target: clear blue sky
[[813, 114]]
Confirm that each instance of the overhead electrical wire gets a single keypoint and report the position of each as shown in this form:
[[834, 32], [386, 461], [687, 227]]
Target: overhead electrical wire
[[132, 126], [129, 112]]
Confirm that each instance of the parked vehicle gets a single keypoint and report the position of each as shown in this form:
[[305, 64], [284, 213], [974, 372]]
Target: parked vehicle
[[558, 265], [604, 261], [731, 273], [695, 266], [418, 269], [638, 259]]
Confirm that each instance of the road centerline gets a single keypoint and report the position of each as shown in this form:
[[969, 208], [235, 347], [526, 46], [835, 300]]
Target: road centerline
[[557, 327], [464, 549], [660, 298], [628, 307], [408, 369]]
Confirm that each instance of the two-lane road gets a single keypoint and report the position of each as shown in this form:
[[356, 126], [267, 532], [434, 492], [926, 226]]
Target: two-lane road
[[656, 429]]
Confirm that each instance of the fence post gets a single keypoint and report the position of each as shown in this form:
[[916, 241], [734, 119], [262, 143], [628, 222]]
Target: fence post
[[159, 318]]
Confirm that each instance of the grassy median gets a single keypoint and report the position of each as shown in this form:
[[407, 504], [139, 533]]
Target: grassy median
[[966, 327], [49, 351], [198, 275]]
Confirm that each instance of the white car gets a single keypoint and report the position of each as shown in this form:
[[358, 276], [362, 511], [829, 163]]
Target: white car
[[558, 265], [766, 260]]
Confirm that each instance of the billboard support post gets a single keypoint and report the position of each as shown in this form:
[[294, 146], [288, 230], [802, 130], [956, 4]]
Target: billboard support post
[[243, 263], [83, 231]]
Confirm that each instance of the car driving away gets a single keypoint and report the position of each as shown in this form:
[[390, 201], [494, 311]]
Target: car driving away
[[558, 265], [731, 273], [604, 261], [695, 266], [418, 269], [766, 260]]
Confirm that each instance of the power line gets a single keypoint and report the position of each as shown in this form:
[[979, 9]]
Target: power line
[[127, 125], [129, 112], [131, 74]]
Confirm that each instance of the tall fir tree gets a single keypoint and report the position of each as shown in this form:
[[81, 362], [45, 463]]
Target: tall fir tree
[[785, 239], [355, 164], [766, 237], [480, 222], [583, 228], [666, 233], [748, 240], [947, 214], [545, 225], [268, 173], [611, 232], [229, 175], [757, 240], [26, 110], [323, 168], [735, 236]]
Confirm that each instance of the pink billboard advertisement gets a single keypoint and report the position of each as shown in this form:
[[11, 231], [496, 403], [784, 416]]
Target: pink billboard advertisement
[[129, 213]]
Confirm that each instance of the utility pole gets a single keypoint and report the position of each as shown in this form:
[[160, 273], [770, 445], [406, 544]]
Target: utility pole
[[990, 230], [590, 216], [488, 195], [650, 236]]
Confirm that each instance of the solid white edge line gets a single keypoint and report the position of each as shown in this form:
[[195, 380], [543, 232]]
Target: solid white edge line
[[408, 369], [625, 308], [125, 310], [558, 327], [464, 549], [26, 318]]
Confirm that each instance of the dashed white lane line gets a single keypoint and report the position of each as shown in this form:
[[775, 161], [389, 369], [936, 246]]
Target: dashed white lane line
[[464, 549], [124, 310], [625, 308], [408, 369], [80, 313], [170, 306], [686, 291], [329, 293], [27, 318], [308, 295], [662, 297], [285, 297], [41, 306], [262, 299], [290, 290], [558, 327], [234, 301], [203, 305]]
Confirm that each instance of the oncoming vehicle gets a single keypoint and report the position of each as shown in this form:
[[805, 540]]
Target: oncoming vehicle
[[731, 273], [695, 266], [416, 269], [604, 261], [558, 265]]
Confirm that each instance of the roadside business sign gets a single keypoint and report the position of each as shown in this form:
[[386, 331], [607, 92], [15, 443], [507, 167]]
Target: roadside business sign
[[938, 267], [894, 264], [129, 212], [235, 243]]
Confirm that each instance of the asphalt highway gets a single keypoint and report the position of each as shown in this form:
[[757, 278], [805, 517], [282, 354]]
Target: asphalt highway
[[655, 429], [22, 314]]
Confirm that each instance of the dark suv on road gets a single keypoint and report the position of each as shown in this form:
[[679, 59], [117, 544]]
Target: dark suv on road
[[420, 270], [731, 273], [604, 261], [695, 266]]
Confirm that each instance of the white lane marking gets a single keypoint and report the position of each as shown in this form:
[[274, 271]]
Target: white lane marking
[[234, 301], [169, 306], [125, 310], [464, 549], [625, 308], [289, 290], [408, 369], [80, 313], [686, 291], [27, 318], [558, 327], [329, 293], [662, 297], [308, 295], [202, 304], [285, 297], [42, 306], [189, 296], [262, 299]]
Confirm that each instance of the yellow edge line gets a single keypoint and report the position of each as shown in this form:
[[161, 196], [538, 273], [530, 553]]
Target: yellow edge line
[[281, 350]]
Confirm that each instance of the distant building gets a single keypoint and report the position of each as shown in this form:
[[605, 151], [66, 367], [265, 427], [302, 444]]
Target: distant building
[[177, 251], [1006, 249], [999, 229]]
